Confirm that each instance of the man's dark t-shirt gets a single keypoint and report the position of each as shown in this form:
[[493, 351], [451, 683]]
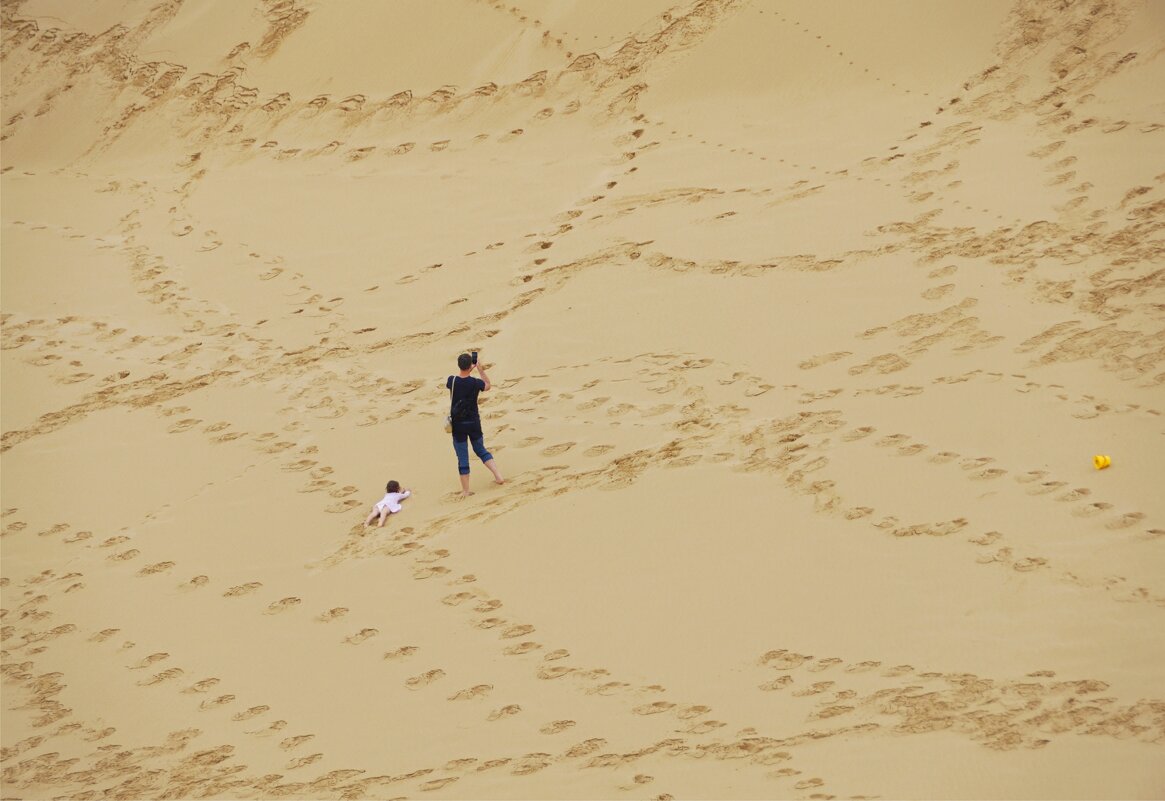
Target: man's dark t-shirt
[[466, 420]]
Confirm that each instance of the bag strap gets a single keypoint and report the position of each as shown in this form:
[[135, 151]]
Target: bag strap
[[452, 384]]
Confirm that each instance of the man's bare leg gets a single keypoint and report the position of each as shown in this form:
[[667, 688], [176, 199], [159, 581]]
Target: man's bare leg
[[493, 468]]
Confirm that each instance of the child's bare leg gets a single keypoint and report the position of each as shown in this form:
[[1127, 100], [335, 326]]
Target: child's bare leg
[[493, 468], [371, 516], [383, 517]]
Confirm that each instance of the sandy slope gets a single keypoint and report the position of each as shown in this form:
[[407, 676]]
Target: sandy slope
[[804, 320]]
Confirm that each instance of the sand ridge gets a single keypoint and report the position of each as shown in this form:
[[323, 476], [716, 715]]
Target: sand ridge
[[801, 353]]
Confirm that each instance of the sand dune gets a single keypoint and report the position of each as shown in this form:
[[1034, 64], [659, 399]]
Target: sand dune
[[805, 321]]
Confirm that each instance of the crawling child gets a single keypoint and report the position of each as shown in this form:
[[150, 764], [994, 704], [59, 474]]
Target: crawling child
[[389, 504]]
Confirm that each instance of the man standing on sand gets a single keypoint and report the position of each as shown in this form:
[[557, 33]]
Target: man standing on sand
[[463, 390]]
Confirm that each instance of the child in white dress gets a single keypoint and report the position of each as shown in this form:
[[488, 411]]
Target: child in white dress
[[389, 504]]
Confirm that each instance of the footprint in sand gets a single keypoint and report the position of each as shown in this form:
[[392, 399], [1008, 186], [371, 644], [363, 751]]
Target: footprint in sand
[[943, 457], [488, 606], [304, 761], [295, 742], [548, 673], [858, 433], [78, 537], [554, 450], [1030, 476], [471, 693], [988, 474], [779, 683], [154, 569], [688, 712], [214, 703], [504, 712], [361, 636], [557, 726], [1074, 495], [428, 572], [521, 648], [201, 686], [528, 441], [424, 679], [653, 708], [195, 583], [517, 631], [401, 653], [124, 556], [149, 660], [893, 439], [1091, 509], [1126, 520], [242, 589], [282, 605], [253, 712], [558, 653], [597, 450], [1045, 487], [332, 614], [456, 599]]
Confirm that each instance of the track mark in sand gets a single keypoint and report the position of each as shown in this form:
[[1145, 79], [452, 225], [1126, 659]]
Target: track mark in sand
[[424, 679], [422, 573], [303, 762], [103, 635], [242, 589], [164, 676], [558, 653], [857, 433], [195, 583], [557, 726], [361, 636], [437, 784], [598, 450], [1126, 520], [214, 703], [548, 673], [149, 660], [457, 598], [653, 708], [472, 693], [332, 614], [517, 631], [521, 648], [124, 556], [295, 742], [282, 605], [554, 450], [779, 683], [401, 653], [825, 358], [253, 712], [154, 569], [504, 712], [528, 441]]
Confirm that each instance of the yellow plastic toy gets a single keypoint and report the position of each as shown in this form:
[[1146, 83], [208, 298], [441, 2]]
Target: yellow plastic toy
[[1100, 461]]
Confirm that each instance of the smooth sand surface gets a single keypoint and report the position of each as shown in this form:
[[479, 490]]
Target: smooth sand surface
[[804, 320]]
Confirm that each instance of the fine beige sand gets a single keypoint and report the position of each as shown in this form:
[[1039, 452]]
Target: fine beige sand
[[805, 321]]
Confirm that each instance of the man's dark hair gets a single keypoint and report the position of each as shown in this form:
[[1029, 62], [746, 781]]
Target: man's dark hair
[[464, 362]]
